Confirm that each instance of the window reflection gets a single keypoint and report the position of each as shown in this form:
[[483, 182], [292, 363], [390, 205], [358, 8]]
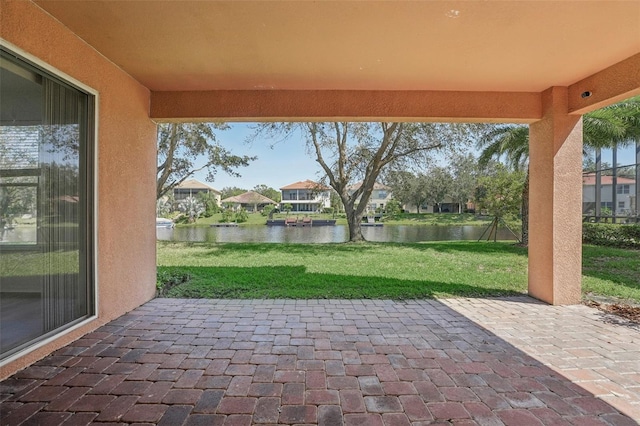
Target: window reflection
[[44, 205]]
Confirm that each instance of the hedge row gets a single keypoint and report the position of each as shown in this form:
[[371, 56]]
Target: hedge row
[[612, 235]]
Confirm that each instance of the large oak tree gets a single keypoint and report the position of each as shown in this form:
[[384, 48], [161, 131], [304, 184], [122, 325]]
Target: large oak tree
[[350, 152]]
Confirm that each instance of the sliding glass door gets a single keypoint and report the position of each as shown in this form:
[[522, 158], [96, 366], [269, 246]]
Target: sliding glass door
[[46, 204]]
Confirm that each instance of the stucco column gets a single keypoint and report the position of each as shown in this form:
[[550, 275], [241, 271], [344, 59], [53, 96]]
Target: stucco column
[[555, 202]]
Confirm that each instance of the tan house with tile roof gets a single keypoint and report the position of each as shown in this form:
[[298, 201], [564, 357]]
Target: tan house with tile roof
[[250, 201], [306, 196], [380, 195], [193, 187]]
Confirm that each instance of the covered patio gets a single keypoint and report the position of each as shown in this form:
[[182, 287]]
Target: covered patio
[[512, 361], [100, 347]]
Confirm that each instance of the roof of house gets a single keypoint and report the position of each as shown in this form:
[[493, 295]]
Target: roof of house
[[196, 184], [375, 186], [590, 179], [306, 184], [249, 197]]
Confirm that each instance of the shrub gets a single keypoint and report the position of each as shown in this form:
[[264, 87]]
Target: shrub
[[192, 208], [267, 209], [163, 207], [328, 210], [612, 235], [393, 209], [181, 219], [227, 215], [209, 202], [242, 216]]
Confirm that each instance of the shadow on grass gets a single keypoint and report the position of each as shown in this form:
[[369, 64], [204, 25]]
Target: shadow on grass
[[294, 282], [618, 267]]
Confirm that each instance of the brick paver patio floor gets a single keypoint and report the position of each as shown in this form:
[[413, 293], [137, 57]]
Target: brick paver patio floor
[[510, 361]]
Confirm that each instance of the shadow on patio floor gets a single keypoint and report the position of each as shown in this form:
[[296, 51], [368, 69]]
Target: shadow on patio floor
[[470, 361]]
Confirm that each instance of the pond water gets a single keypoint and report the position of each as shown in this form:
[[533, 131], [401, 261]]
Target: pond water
[[324, 234]]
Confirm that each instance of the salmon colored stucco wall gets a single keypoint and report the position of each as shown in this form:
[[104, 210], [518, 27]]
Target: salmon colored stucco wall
[[555, 202], [126, 166], [331, 105]]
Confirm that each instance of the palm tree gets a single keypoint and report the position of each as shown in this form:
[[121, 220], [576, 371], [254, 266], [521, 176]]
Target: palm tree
[[510, 141], [614, 125]]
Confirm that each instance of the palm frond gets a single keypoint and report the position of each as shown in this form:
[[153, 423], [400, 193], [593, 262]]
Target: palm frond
[[614, 125], [510, 141], [617, 124]]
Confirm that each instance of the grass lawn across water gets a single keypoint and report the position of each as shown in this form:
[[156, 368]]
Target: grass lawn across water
[[419, 219], [375, 270]]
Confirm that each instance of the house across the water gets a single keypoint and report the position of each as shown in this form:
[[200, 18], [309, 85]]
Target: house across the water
[[306, 197]]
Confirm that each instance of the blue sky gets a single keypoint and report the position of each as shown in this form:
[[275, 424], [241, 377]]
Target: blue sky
[[626, 156], [282, 163]]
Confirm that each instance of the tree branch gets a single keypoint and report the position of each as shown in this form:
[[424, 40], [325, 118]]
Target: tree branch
[[313, 130], [165, 169]]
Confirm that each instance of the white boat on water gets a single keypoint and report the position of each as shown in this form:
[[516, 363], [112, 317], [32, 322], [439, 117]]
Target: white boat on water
[[164, 223]]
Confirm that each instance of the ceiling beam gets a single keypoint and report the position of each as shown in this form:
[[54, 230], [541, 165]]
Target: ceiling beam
[[613, 84], [332, 105]]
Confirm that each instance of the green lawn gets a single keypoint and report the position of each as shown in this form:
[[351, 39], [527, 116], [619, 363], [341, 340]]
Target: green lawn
[[375, 270], [456, 219], [611, 272]]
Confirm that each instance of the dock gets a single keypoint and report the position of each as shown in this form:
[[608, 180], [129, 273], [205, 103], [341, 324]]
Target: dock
[[301, 223]]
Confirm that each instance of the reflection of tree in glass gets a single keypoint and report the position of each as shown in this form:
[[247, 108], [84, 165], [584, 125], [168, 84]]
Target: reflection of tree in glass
[[60, 179], [18, 155], [60, 184], [61, 140], [15, 201], [18, 148]]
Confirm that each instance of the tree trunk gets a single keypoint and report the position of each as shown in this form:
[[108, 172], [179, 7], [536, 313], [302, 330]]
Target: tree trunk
[[354, 218], [355, 231], [525, 211]]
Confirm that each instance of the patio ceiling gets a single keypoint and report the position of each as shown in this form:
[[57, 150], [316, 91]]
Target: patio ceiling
[[464, 46]]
